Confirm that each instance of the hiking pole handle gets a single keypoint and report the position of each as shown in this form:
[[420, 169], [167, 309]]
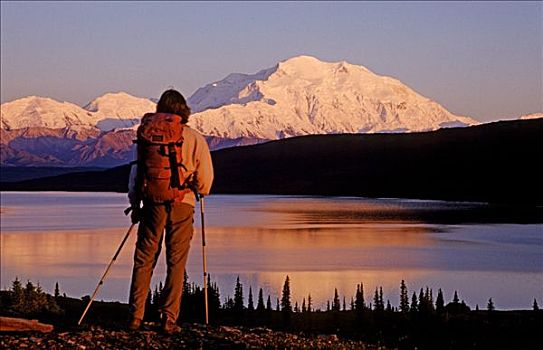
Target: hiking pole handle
[[106, 273]]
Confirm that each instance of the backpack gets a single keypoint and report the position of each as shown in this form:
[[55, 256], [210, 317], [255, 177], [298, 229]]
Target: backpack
[[160, 169]]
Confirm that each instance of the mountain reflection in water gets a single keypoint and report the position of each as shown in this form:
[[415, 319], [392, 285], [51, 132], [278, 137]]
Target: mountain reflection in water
[[321, 243]]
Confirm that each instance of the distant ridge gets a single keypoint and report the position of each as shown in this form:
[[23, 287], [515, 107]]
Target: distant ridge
[[496, 162]]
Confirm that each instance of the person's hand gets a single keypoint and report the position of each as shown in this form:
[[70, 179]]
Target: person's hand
[[135, 215]]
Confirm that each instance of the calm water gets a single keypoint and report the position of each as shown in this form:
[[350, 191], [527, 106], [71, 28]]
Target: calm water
[[321, 243]]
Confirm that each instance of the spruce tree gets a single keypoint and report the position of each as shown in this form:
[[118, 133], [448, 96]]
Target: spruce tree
[[250, 304], [31, 299], [29, 288], [17, 292], [414, 304], [269, 304], [359, 302], [285, 297], [389, 307], [29, 292], [304, 309], [376, 299], [490, 305], [335, 304], [214, 297], [229, 303], [238, 296], [344, 304], [296, 309], [404, 298], [456, 300], [440, 302], [309, 303], [57, 291], [327, 305], [379, 304], [186, 285], [535, 306], [422, 301], [428, 300], [277, 307], [260, 304]]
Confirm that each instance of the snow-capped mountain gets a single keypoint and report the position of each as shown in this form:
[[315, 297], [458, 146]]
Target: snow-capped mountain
[[34, 111], [303, 96], [119, 110], [42, 131], [299, 96], [106, 112]]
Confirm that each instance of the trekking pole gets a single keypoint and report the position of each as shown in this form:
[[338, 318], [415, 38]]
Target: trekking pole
[[202, 212], [105, 273], [193, 186]]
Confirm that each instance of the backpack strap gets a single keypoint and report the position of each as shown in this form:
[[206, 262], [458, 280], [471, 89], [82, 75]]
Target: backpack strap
[[175, 181]]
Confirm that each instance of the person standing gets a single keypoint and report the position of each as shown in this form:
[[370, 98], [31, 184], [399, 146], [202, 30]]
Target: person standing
[[173, 162]]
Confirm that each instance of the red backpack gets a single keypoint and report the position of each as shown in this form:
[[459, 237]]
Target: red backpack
[[160, 168]]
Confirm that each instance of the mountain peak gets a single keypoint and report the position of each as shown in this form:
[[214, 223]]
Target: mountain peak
[[304, 95], [34, 100], [118, 99], [302, 59], [119, 109], [37, 111], [310, 64], [303, 64]]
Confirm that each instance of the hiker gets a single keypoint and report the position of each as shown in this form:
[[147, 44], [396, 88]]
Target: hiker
[[173, 162]]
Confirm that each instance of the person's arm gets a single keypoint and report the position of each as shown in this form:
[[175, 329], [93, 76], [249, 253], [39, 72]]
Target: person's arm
[[204, 167], [133, 196]]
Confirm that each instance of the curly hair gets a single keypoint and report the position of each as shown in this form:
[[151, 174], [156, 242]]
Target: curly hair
[[173, 102]]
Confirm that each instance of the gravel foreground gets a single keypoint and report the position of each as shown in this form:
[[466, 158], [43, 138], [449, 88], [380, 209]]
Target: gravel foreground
[[192, 336]]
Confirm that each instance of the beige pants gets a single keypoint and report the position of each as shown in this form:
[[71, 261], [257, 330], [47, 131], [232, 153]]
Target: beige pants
[[177, 219]]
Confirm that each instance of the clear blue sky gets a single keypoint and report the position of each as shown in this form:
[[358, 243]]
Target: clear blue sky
[[480, 59]]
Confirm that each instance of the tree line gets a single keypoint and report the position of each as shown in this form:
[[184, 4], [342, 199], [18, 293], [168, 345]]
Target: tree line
[[418, 319], [255, 306]]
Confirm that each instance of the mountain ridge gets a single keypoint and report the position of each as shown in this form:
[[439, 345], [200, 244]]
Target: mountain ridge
[[496, 162]]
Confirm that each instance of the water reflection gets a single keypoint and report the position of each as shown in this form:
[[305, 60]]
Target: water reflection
[[321, 243]]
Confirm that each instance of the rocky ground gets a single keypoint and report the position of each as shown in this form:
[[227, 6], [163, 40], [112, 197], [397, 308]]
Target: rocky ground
[[193, 336]]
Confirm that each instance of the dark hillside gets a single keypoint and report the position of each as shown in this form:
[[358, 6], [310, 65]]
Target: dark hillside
[[13, 174], [493, 162], [497, 162]]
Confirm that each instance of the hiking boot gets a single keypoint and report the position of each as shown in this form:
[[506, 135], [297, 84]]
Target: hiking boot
[[169, 326], [134, 324]]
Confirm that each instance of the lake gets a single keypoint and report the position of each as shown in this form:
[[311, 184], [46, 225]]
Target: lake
[[322, 243]]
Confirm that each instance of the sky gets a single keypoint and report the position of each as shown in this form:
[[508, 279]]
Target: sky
[[479, 59]]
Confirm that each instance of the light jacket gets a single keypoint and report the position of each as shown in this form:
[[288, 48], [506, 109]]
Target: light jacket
[[196, 158]]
